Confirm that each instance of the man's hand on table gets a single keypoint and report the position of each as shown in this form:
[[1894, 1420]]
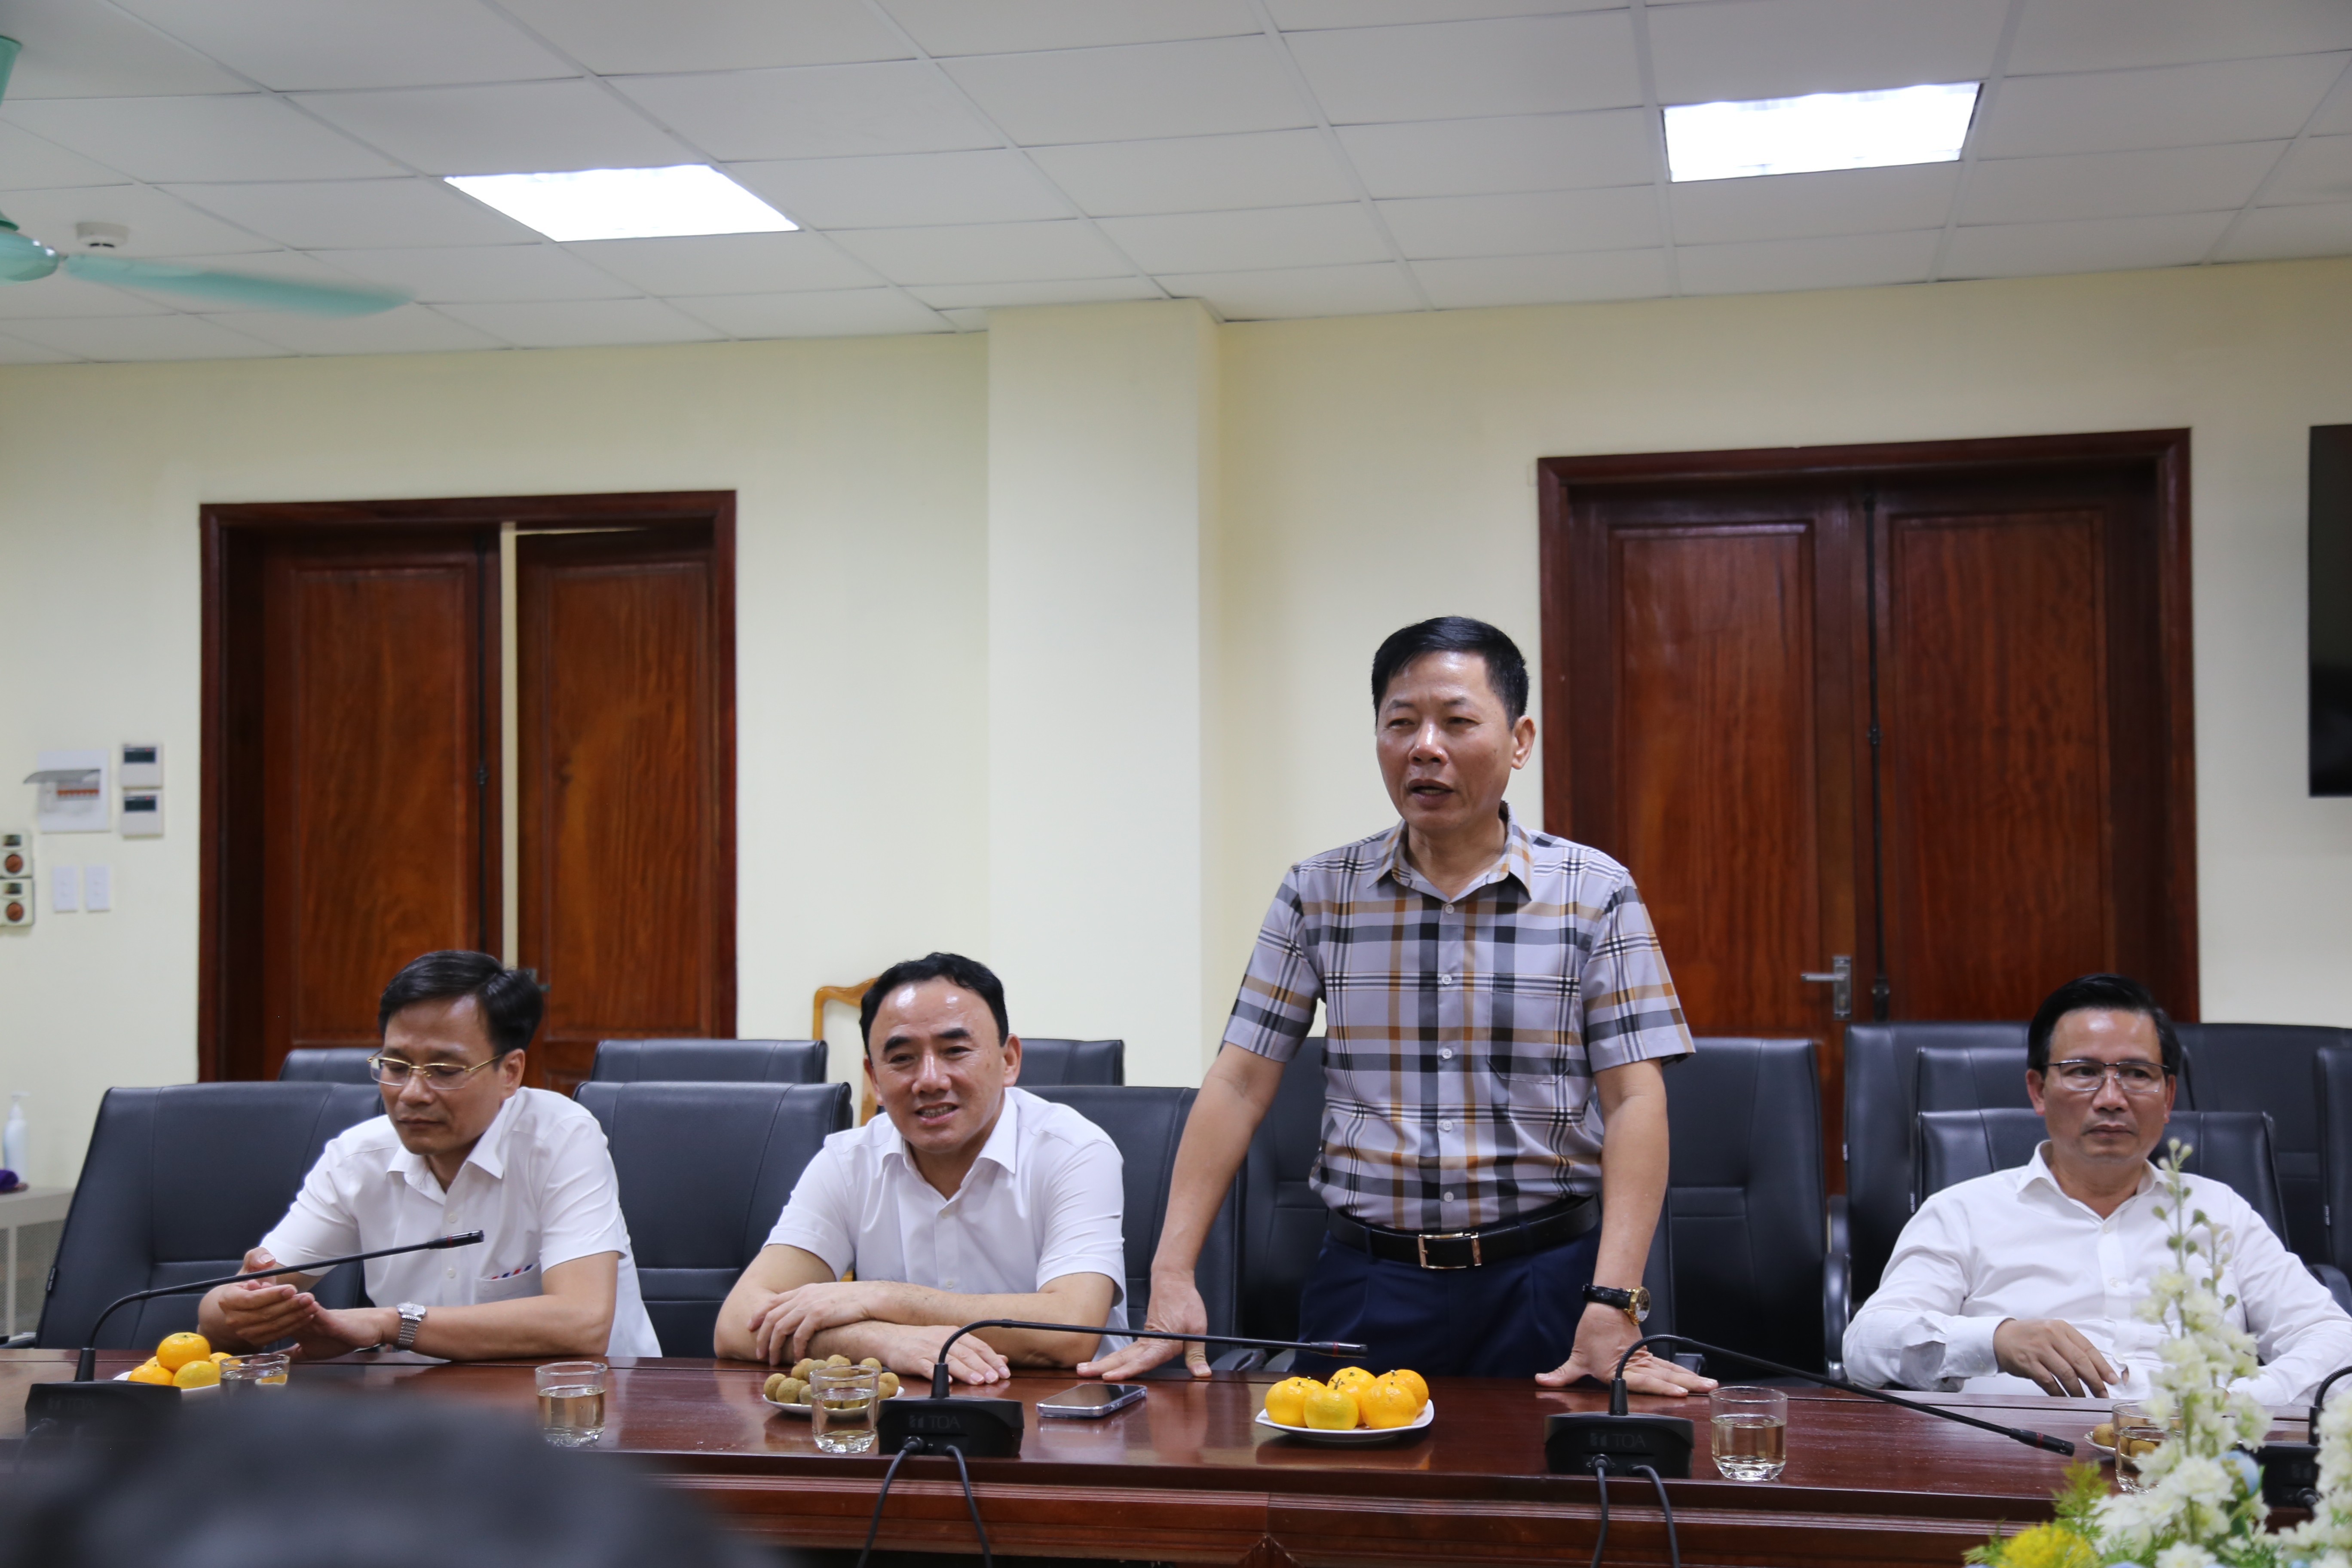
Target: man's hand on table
[[1601, 1336], [1177, 1309], [2053, 1354], [783, 1328], [912, 1350], [333, 1334]]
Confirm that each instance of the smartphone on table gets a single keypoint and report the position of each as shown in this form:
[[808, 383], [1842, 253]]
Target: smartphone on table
[[1091, 1400]]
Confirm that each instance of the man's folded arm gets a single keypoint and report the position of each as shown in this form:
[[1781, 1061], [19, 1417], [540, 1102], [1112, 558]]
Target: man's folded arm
[[1911, 1332], [1070, 1298]]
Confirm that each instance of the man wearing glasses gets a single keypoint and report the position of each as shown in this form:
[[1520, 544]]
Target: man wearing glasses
[[461, 1146], [2030, 1279]]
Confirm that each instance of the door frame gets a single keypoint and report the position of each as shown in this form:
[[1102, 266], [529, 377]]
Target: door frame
[[2165, 455], [230, 531]]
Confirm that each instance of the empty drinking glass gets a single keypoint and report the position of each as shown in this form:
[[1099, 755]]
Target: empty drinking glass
[[243, 1373]]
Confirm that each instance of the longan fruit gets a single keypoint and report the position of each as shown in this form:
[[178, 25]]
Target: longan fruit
[[837, 1360], [871, 1364]]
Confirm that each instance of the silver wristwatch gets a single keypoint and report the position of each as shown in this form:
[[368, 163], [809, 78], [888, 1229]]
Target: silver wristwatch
[[412, 1317]]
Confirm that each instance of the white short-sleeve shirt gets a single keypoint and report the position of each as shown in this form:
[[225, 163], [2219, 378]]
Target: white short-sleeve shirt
[[539, 1185], [1042, 1200]]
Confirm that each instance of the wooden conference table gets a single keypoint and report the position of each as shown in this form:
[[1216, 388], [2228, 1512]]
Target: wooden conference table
[[1187, 1476]]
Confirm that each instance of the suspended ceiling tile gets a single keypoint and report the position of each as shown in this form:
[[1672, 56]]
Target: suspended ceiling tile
[[514, 129], [161, 224], [581, 323], [2181, 106], [2092, 245], [1012, 26], [19, 351], [291, 45], [1777, 265], [1198, 174], [948, 297], [2318, 171], [1304, 15], [30, 162], [1252, 240], [967, 318], [1299, 291], [1481, 281], [1455, 70], [2335, 117], [1782, 49], [1619, 219], [142, 338], [622, 36], [814, 111], [2277, 233], [248, 136], [410, 329], [482, 273], [817, 313], [358, 215], [728, 263], [984, 253], [76, 50], [1514, 152], [1198, 88], [2117, 184], [60, 295], [904, 190], [1833, 202], [2106, 34]]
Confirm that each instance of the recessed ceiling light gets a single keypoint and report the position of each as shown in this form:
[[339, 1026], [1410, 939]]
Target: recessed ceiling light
[[1819, 130], [626, 204]]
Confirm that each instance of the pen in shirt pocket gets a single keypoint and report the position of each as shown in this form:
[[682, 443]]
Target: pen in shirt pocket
[[518, 1269]]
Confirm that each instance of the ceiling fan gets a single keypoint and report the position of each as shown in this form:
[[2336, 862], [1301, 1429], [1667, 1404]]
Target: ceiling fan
[[23, 259]]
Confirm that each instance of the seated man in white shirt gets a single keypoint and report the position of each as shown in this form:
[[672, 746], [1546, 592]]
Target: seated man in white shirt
[[2030, 1279], [461, 1146], [966, 1199]]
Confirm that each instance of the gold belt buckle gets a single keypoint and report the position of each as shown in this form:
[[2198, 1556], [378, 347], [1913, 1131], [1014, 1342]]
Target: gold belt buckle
[[1421, 1248]]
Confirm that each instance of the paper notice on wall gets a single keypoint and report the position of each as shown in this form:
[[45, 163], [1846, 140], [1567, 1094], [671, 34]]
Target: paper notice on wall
[[73, 795]]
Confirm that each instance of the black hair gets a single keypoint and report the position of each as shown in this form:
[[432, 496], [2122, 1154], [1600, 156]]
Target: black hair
[[509, 998], [359, 1483], [1506, 671], [969, 973], [2114, 993]]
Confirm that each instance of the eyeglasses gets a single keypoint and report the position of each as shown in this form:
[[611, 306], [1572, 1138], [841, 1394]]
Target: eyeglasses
[[2085, 1077], [439, 1077]]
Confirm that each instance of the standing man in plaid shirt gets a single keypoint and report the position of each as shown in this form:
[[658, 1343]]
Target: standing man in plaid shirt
[[1496, 1012]]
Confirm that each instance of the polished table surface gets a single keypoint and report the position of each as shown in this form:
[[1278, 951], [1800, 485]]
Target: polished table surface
[[1186, 1476]]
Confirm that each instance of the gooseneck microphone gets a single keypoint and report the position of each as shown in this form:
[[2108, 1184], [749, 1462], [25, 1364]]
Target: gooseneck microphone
[[991, 1428], [2291, 1470], [1580, 1441]]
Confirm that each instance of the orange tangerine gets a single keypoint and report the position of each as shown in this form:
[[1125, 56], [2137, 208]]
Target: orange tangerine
[[1331, 1409], [1388, 1403], [202, 1374], [152, 1371], [1351, 1378], [178, 1350], [1416, 1382], [1285, 1402]]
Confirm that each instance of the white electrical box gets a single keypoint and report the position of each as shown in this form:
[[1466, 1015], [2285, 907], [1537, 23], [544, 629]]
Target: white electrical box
[[142, 813], [16, 853], [15, 901], [143, 764]]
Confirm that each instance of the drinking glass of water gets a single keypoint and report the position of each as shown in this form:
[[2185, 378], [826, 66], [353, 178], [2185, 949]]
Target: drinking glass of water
[[245, 1374], [1751, 1433], [841, 1407], [571, 1403]]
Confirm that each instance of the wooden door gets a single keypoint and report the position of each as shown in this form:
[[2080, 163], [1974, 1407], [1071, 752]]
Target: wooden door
[[625, 778]]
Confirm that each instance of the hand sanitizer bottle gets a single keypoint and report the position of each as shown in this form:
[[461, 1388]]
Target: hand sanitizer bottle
[[13, 1153]]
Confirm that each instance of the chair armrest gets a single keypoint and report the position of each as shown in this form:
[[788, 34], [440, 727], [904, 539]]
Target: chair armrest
[[1281, 1361], [1837, 1289], [1247, 1359], [2327, 1274]]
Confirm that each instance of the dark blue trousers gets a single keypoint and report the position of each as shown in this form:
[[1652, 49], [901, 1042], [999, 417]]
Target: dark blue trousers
[[1512, 1318]]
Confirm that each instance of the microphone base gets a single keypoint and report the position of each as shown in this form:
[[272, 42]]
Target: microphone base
[[2290, 1474], [982, 1428], [1574, 1439], [101, 1410]]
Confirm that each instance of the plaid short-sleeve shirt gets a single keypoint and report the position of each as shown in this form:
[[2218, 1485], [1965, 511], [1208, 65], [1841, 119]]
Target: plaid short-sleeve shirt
[[1462, 1036]]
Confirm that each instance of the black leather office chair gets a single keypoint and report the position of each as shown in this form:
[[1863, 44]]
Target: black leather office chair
[[179, 1183], [704, 1170], [1056, 1064], [2271, 1068], [332, 1063], [1981, 1078], [1146, 1121], [1881, 1112], [1283, 1220], [1746, 1198], [709, 1061]]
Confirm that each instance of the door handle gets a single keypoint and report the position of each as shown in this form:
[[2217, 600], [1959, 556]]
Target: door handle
[[1839, 978]]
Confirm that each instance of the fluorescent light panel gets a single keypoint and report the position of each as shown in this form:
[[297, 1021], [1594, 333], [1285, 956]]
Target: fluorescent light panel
[[1820, 131], [626, 204]]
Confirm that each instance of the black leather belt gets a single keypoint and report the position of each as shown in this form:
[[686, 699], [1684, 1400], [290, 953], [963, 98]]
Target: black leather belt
[[1534, 1232]]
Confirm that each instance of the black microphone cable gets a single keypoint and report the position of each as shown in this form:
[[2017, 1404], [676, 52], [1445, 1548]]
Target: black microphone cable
[[973, 1503], [1600, 1479], [916, 1445], [1674, 1552], [1601, 1541]]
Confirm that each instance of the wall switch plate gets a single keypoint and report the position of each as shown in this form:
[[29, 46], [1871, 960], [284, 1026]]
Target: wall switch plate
[[16, 853], [142, 813], [143, 764], [97, 888], [65, 889], [15, 901]]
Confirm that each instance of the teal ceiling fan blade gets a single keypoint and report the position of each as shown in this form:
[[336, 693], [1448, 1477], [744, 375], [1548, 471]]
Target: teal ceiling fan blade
[[8, 51], [22, 258], [235, 288]]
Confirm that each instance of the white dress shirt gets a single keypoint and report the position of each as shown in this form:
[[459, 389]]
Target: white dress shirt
[[2012, 1245], [1042, 1200], [538, 1186]]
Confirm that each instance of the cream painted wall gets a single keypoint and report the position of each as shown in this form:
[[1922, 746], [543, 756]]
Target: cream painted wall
[[859, 468], [1382, 469]]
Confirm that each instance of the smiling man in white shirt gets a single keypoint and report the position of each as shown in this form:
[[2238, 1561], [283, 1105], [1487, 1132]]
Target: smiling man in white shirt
[[967, 1198], [461, 1146], [2030, 1279]]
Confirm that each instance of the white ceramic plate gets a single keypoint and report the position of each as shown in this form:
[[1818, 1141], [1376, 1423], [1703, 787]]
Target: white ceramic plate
[[802, 1409], [208, 1388], [1355, 1436]]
